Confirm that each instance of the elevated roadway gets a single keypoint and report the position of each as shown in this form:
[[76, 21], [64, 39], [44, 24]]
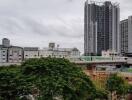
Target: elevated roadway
[[96, 60], [91, 60]]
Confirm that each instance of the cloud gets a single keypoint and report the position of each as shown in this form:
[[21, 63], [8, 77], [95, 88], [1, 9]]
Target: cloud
[[37, 22]]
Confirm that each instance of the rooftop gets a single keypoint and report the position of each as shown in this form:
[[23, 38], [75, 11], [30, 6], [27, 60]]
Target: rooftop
[[100, 3]]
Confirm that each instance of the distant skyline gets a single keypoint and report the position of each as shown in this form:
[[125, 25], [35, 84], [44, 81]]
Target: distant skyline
[[38, 22]]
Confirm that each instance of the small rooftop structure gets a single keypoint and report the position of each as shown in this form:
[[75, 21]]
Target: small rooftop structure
[[5, 42], [100, 3], [75, 49], [109, 53]]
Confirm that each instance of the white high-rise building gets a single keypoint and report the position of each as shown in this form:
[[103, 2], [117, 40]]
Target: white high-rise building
[[126, 35]]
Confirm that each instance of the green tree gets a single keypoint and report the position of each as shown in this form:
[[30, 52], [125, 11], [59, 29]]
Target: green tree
[[116, 84], [12, 84], [58, 78], [47, 79], [101, 94], [129, 88]]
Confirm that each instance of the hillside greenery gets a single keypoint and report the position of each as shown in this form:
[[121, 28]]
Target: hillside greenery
[[53, 79]]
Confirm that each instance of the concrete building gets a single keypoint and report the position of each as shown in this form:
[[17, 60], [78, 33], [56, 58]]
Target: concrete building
[[110, 53], [51, 51], [45, 53], [59, 52], [15, 54], [31, 52], [5, 42], [3, 54], [75, 52], [101, 27], [51, 46], [126, 36], [10, 54]]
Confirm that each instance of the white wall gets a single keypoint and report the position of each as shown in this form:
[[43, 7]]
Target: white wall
[[15, 55], [3, 55], [130, 34], [31, 54]]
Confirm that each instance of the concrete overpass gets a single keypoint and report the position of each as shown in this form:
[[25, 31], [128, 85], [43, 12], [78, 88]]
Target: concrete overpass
[[99, 62], [96, 60], [92, 60]]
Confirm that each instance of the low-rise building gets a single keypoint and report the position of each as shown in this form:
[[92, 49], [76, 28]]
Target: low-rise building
[[59, 52], [51, 51], [110, 53], [75, 52], [46, 53], [31, 52], [15, 54], [3, 54]]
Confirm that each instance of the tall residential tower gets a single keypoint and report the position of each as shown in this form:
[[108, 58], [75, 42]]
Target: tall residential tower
[[126, 35], [101, 27]]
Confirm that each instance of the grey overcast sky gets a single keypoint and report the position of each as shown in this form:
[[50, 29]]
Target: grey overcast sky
[[38, 22]]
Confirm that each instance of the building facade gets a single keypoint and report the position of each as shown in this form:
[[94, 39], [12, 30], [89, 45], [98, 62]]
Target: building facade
[[59, 52], [110, 54], [3, 54], [12, 54], [5, 42], [51, 51], [15, 54], [126, 35], [31, 52], [101, 27]]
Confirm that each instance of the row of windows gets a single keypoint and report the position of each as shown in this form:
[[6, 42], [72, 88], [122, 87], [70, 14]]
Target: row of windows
[[28, 55], [18, 55], [40, 55], [49, 55], [12, 55], [10, 59], [4, 51], [13, 59], [3, 59]]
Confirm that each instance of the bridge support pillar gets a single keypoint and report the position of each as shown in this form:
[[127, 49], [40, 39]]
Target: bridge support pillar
[[91, 68]]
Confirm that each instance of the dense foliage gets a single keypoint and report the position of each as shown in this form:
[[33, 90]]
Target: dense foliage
[[46, 79], [117, 84], [54, 79], [58, 78]]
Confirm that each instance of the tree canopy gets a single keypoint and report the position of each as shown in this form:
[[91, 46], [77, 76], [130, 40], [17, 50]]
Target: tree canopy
[[117, 84], [54, 79], [58, 78], [46, 79]]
